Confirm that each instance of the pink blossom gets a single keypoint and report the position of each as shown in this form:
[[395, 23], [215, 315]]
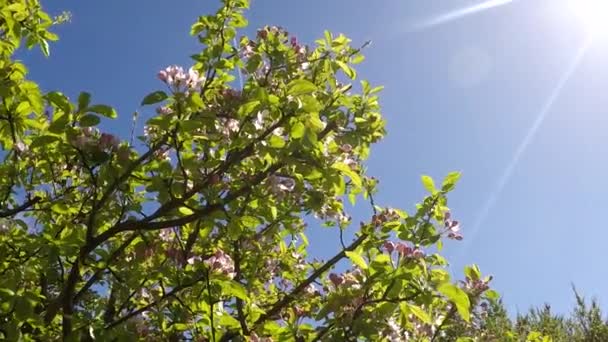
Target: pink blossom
[[280, 185], [222, 263], [247, 51], [81, 141], [262, 33], [253, 337], [21, 147], [311, 289], [194, 78], [418, 253], [124, 154], [227, 126], [108, 141], [166, 234], [335, 279], [455, 236], [193, 260], [258, 123], [404, 250], [389, 246], [90, 131], [175, 77], [164, 110], [346, 148]]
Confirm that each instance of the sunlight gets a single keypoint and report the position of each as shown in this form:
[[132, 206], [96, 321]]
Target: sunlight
[[593, 14], [523, 146], [463, 12]]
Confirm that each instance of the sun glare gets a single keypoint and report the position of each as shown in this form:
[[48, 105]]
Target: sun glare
[[593, 14]]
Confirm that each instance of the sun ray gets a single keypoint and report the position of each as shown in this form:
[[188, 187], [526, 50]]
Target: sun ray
[[473, 231], [461, 13]]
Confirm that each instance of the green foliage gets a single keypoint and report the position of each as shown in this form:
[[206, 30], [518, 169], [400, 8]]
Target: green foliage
[[197, 229]]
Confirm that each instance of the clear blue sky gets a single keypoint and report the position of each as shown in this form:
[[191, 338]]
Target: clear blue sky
[[460, 95]]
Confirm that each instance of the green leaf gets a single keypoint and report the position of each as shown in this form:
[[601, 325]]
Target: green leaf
[[472, 272], [7, 292], [458, 297], [313, 121], [273, 212], [418, 312], [300, 87], [104, 110], [354, 177], [450, 181], [492, 295], [250, 221], [465, 339], [248, 107], [298, 130], [357, 259], [428, 183], [196, 100], [155, 97], [60, 208], [276, 141], [228, 321], [88, 120], [185, 211], [84, 100], [60, 101], [44, 46], [235, 289], [180, 326], [350, 72], [358, 59], [43, 140]]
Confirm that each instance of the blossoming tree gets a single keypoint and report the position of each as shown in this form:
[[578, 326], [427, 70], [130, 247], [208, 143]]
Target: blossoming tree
[[196, 231]]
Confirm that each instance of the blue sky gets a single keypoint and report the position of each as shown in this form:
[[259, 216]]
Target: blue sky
[[511, 96]]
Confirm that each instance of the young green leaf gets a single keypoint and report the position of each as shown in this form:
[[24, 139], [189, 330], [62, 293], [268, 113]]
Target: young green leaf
[[458, 297], [155, 97], [298, 130], [84, 99], [420, 313], [300, 87], [60, 101], [428, 183], [357, 259], [350, 72], [88, 120], [104, 110]]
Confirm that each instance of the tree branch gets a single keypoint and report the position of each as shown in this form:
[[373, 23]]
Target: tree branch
[[22, 207]]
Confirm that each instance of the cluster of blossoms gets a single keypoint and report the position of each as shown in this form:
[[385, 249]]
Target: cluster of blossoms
[[90, 138], [253, 337], [311, 290], [21, 148], [452, 227], [227, 126], [300, 51], [221, 262], [164, 110], [386, 215], [4, 227], [179, 80], [349, 280], [403, 249], [248, 49], [280, 186], [333, 212], [345, 155], [393, 331], [476, 286]]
